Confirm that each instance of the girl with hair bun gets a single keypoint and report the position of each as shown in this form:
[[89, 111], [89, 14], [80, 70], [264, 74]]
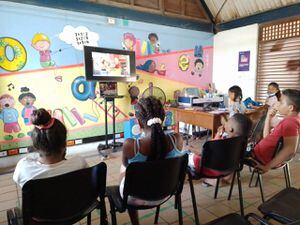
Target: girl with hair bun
[[49, 137]]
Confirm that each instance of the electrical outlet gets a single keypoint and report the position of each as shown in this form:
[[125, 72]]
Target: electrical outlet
[[111, 20]]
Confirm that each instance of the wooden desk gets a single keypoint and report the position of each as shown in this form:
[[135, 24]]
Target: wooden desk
[[207, 120]]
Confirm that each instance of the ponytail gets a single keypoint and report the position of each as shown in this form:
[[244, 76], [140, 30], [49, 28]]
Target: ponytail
[[158, 143], [151, 113], [278, 95]]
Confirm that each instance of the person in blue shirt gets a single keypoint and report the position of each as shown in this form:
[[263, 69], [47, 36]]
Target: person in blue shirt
[[9, 115], [154, 145]]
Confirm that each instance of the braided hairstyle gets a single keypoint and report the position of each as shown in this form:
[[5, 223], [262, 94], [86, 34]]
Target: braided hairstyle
[[51, 141], [146, 109]]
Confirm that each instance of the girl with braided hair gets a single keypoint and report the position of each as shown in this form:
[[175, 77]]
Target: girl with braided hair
[[155, 145]]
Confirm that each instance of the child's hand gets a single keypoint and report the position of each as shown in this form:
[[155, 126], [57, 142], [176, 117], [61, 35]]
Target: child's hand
[[272, 112], [221, 130]]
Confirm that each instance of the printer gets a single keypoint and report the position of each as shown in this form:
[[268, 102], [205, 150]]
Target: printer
[[191, 97], [187, 96]]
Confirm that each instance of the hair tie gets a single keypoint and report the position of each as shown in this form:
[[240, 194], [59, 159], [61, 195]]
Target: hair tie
[[153, 121], [47, 125]]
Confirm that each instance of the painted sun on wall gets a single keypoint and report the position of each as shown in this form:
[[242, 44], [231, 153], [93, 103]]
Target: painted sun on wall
[[43, 68]]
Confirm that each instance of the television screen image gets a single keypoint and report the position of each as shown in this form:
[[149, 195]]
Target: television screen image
[[108, 88], [107, 64]]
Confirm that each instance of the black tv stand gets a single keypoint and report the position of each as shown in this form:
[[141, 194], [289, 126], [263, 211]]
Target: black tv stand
[[114, 145]]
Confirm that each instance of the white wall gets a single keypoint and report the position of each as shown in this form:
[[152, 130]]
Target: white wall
[[227, 45]]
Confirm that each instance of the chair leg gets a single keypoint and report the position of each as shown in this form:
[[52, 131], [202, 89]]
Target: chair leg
[[193, 199], [231, 186], [156, 215], [250, 169], [257, 179], [176, 203], [112, 212], [179, 210], [251, 179], [285, 176], [288, 174], [240, 193], [207, 135], [103, 213], [261, 187], [89, 219], [217, 188]]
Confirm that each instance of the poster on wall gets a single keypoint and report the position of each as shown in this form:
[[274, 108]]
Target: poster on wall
[[244, 61]]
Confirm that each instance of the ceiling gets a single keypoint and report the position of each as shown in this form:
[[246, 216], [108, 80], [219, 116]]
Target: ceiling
[[228, 10]]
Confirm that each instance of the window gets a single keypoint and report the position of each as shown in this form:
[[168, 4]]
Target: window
[[278, 56]]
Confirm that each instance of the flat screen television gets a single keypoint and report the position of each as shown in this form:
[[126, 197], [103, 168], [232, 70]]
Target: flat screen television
[[104, 64]]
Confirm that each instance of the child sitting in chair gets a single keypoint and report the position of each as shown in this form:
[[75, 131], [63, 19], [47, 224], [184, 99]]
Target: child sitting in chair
[[235, 104], [288, 128], [49, 141], [237, 125]]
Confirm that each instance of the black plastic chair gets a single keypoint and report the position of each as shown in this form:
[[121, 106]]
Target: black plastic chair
[[257, 131], [283, 207], [222, 156], [284, 166], [63, 199], [236, 219], [150, 181]]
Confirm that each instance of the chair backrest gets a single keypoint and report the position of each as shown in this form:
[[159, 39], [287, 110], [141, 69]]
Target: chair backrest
[[155, 180], [225, 155], [278, 147], [257, 131], [65, 198]]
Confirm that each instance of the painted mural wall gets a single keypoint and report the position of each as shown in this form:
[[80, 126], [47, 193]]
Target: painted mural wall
[[41, 65]]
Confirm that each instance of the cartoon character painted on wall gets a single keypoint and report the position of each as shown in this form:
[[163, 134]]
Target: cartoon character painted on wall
[[9, 115], [41, 43], [27, 99], [162, 69], [153, 46], [148, 66], [129, 41], [198, 67], [134, 92]]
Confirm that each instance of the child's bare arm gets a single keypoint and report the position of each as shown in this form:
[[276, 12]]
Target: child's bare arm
[[288, 151], [267, 127]]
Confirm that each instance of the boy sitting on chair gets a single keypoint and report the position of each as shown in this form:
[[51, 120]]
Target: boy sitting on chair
[[237, 125], [288, 128]]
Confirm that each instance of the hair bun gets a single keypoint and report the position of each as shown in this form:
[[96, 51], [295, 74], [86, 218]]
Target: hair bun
[[40, 117], [24, 89]]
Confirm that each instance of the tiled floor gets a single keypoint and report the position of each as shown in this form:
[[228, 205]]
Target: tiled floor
[[208, 208]]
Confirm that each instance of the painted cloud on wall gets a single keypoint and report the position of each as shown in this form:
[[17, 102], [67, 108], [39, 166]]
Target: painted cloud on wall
[[79, 36]]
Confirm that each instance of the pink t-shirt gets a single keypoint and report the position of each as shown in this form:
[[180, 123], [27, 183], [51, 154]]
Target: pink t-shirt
[[45, 56], [28, 112], [288, 127]]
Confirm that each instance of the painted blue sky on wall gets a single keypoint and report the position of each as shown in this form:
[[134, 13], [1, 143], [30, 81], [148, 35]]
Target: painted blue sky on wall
[[22, 22]]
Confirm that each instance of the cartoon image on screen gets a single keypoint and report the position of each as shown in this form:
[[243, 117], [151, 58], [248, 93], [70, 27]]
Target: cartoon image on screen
[[108, 64]]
